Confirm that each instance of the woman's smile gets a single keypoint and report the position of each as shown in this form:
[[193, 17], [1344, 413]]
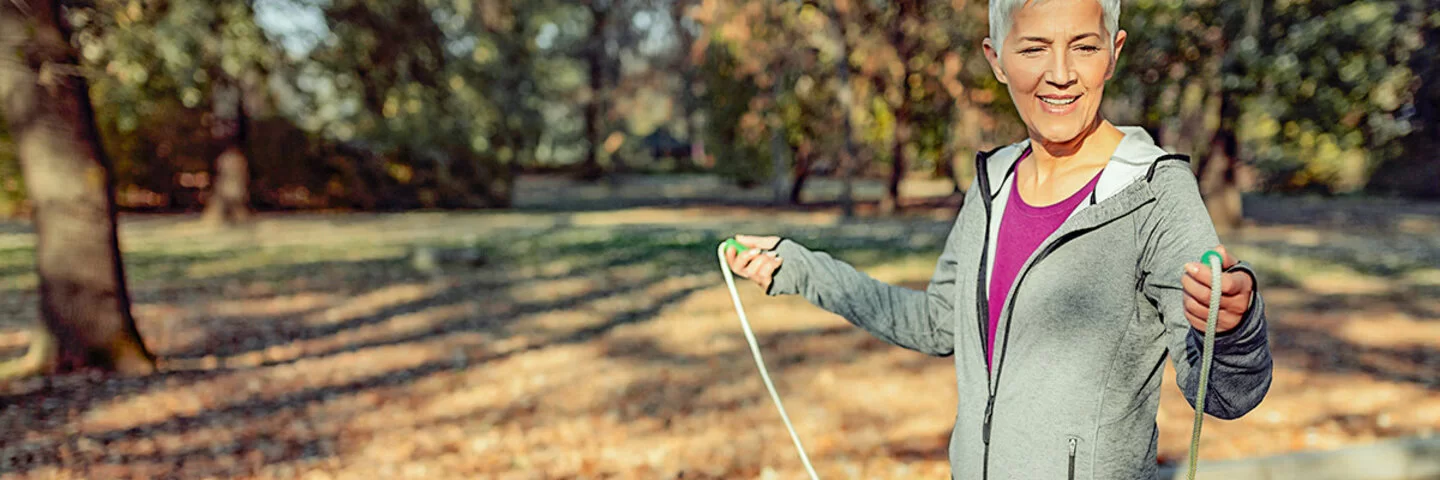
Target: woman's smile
[[1059, 104]]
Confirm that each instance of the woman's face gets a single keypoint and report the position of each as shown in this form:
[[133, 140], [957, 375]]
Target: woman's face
[[1055, 61]]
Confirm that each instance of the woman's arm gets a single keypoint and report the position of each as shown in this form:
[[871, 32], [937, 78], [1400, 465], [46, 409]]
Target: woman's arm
[[916, 320], [1178, 232]]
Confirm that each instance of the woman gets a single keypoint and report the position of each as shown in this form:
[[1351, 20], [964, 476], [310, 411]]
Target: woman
[[1068, 277]]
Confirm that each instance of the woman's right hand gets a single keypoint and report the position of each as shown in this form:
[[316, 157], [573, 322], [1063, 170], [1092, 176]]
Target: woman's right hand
[[759, 263]]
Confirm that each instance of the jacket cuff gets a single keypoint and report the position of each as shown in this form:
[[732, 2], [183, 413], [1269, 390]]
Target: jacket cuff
[[791, 275]]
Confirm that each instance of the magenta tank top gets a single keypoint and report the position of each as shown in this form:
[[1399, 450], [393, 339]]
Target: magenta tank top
[[1022, 228]]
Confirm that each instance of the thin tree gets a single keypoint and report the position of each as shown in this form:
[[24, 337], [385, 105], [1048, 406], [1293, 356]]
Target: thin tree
[[904, 44], [849, 158], [84, 306], [229, 201], [1219, 168], [595, 58]]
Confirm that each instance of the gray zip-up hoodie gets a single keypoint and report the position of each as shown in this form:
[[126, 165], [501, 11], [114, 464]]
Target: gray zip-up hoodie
[[1084, 334]]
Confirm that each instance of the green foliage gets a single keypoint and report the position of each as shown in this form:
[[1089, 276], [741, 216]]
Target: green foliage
[[12, 184], [1323, 84], [736, 135], [433, 103]]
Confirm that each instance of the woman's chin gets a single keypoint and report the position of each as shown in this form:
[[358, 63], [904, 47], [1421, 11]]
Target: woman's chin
[[1059, 134]]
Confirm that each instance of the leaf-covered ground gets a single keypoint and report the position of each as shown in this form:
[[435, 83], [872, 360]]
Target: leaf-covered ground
[[563, 343]]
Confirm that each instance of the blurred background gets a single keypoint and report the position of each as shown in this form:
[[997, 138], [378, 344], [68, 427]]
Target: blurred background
[[475, 238]]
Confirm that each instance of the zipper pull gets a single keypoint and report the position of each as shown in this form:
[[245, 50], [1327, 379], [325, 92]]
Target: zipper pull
[[989, 412], [1073, 442]]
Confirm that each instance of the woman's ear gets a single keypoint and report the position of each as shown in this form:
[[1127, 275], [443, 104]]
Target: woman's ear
[[993, 57], [1115, 55]]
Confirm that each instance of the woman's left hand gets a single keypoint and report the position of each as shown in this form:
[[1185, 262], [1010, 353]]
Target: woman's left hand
[[1235, 288]]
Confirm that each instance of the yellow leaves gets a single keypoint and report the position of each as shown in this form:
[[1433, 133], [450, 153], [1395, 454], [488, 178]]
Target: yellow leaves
[[400, 172], [391, 107], [613, 142], [191, 97], [131, 14], [484, 53]]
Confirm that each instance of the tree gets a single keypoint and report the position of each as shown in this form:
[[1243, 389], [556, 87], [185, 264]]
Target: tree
[[903, 28], [596, 55], [84, 305], [686, 63], [1416, 171], [1219, 169], [229, 201]]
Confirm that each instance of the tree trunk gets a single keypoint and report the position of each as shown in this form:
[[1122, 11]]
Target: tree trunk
[[802, 172], [779, 165], [1416, 173], [595, 59], [900, 161], [686, 66], [1219, 170], [84, 306], [848, 159], [229, 200]]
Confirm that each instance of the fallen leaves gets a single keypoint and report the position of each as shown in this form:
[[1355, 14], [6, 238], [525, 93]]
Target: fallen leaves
[[608, 351]]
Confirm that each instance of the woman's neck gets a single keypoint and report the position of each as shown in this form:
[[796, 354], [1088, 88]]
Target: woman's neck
[[1093, 148]]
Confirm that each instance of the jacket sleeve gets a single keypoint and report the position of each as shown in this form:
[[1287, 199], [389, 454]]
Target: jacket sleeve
[[916, 320], [1178, 231]]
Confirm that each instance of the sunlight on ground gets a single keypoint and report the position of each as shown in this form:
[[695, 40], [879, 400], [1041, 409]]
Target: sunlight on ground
[[614, 351]]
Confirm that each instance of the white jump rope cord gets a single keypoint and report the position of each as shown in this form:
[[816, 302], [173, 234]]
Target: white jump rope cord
[[1206, 356], [759, 362]]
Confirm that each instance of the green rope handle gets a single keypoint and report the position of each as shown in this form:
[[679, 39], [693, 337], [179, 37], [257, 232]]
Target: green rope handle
[[1214, 260]]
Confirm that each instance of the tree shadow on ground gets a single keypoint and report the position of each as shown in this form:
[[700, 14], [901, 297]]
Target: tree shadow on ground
[[42, 421], [628, 262]]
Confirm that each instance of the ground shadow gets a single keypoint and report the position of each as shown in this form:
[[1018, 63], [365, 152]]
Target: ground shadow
[[36, 420]]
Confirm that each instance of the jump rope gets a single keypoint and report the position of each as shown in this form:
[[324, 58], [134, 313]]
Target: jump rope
[[1212, 258]]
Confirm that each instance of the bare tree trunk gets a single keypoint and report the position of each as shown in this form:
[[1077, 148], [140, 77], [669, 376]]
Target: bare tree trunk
[[802, 172], [686, 66], [84, 305], [229, 200], [1219, 170], [900, 161], [595, 60], [779, 165], [848, 159], [1417, 172]]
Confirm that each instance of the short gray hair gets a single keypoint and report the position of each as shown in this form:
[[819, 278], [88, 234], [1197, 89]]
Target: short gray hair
[[1002, 16]]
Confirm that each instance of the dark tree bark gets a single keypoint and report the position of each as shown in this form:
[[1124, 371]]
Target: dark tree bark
[[1219, 168], [779, 164], [84, 306], [1218, 182], [1416, 173], [686, 66], [849, 161], [802, 172], [595, 60], [229, 200], [909, 11]]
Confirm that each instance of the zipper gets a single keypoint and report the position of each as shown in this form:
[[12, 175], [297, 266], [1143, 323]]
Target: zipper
[[982, 305], [983, 311], [1073, 443]]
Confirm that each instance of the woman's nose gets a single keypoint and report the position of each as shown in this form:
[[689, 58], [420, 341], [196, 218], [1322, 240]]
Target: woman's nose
[[1061, 73]]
